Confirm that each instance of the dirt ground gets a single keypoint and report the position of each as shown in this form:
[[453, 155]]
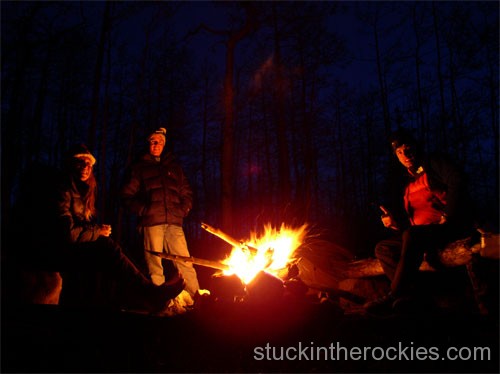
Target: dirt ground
[[286, 336]]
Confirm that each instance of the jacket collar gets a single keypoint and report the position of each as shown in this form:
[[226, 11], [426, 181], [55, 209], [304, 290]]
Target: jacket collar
[[164, 158]]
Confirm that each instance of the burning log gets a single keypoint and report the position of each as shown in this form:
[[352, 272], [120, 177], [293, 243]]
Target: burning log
[[194, 260], [371, 267], [455, 254], [227, 288], [265, 287]]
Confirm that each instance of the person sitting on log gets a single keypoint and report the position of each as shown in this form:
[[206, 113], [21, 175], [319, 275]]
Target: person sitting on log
[[86, 247], [439, 211]]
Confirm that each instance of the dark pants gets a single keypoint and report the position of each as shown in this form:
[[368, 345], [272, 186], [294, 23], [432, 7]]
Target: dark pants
[[402, 255], [93, 271]]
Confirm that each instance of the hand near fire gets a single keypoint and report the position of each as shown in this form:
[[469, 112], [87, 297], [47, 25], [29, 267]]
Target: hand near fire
[[387, 219], [105, 230]]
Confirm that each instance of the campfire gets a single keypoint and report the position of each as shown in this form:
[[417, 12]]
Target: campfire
[[259, 261], [254, 266], [270, 252]]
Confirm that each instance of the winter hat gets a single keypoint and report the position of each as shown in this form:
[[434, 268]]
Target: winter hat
[[81, 151], [162, 131], [402, 137]]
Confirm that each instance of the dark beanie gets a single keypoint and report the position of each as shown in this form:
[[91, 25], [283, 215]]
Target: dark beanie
[[401, 137]]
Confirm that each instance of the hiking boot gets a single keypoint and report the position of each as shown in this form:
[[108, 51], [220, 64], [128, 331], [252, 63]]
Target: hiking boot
[[158, 297], [382, 305]]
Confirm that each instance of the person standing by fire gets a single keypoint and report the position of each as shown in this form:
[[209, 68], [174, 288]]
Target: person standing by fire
[[85, 246], [438, 211], [157, 190]]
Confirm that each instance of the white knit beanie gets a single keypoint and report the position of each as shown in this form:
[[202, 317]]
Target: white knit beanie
[[161, 131], [81, 151]]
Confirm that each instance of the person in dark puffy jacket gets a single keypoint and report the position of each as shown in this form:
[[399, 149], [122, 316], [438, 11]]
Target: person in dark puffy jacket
[[86, 246], [158, 192], [438, 212]]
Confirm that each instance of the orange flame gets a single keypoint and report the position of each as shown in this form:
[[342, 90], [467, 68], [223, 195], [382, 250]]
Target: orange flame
[[275, 249]]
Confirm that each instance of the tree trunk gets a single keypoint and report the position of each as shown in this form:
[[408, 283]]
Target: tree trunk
[[228, 162], [382, 84], [106, 214], [279, 97], [443, 116], [495, 130], [416, 24], [204, 145], [11, 129], [40, 105], [455, 111], [105, 27]]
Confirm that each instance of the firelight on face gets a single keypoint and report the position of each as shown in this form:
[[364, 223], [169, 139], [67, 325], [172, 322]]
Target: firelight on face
[[406, 156], [156, 144], [83, 168]]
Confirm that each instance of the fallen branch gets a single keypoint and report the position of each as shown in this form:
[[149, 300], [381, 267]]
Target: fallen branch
[[194, 260], [229, 239]]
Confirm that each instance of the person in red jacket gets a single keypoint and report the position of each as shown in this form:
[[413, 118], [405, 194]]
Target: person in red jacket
[[157, 190], [438, 212]]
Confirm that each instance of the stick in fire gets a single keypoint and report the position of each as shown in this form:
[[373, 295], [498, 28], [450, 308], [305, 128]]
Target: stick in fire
[[228, 239], [197, 261], [215, 264], [239, 244]]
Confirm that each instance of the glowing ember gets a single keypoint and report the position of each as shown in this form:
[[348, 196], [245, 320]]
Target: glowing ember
[[275, 249]]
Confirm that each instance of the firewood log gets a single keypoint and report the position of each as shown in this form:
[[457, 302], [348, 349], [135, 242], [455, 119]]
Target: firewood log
[[455, 254]]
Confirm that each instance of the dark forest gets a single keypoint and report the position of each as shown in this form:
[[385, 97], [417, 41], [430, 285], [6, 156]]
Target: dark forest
[[280, 115], [279, 112]]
